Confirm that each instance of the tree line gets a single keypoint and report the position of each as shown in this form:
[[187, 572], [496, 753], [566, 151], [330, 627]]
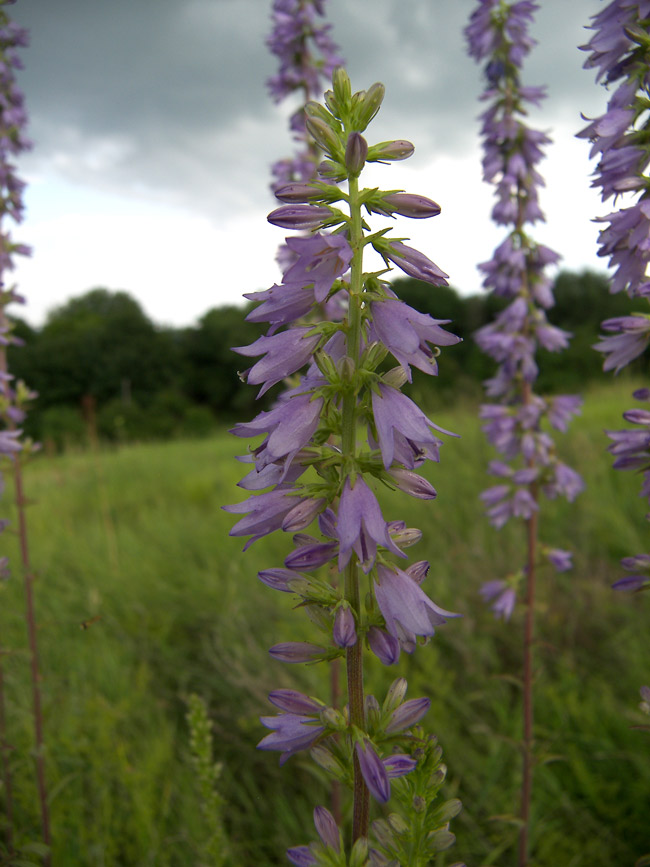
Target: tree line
[[101, 366]]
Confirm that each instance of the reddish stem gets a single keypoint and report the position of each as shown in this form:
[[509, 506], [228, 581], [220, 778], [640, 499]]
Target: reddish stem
[[6, 767], [30, 618]]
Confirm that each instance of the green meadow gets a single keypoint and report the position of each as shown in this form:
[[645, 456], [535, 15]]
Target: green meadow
[[143, 599]]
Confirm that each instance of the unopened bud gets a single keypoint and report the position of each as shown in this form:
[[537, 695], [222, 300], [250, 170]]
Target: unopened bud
[[407, 537], [369, 106], [419, 804], [397, 823], [410, 205], [333, 718], [356, 150], [302, 514], [299, 216], [325, 136], [390, 150], [407, 714], [395, 694], [332, 171], [382, 831], [413, 484], [296, 193], [359, 854], [342, 87], [418, 571], [327, 760], [441, 840], [346, 369], [344, 633], [396, 377]]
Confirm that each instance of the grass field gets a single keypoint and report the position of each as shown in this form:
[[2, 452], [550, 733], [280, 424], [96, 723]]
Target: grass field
[[133, 544]]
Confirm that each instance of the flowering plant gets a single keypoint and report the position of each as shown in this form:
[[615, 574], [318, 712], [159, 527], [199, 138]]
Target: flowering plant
[[518, 424], [312, 466]]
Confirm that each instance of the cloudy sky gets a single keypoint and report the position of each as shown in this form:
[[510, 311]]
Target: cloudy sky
[[153, 134]]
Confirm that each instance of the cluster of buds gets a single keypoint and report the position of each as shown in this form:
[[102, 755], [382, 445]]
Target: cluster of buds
[[311, 475], [518, 424], [620, 52]]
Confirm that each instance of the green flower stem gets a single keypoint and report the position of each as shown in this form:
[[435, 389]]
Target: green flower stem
[[354, 658]]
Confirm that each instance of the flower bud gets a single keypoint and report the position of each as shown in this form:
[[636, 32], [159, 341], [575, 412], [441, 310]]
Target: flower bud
[[328, 761], [330, 101], [383, 645], [418, 571], [413, 484], [277, 579], [299, 216], [356, 151], [327, 828], [344, 633], [397, 823], [390, 150], [342, 87], [297, 651], [332, 171], [292, 701], [302, 515], [445, 813], [333, 718], [325, 136], [406, 537], [359, 853], [395, 694], [441, 840], [368, 106], [407, 714], [382, 831], [410, 205], [296, 193], [395, 377]]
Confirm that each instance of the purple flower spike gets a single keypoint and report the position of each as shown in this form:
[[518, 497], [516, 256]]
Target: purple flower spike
[[385, 646], [361, 526], [345, 633], [407, 610], [374, 772], [414, 263]]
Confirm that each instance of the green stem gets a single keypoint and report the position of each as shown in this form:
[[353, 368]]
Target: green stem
[[354, 660]]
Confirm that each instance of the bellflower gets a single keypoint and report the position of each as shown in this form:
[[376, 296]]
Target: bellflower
[[498, 33], [15, 396], [618, 50], [313, 463]]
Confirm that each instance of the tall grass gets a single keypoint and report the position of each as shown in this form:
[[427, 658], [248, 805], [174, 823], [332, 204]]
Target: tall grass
[[147, 600]]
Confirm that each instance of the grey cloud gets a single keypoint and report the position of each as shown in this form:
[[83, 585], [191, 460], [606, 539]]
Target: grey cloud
[[167, 100]]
